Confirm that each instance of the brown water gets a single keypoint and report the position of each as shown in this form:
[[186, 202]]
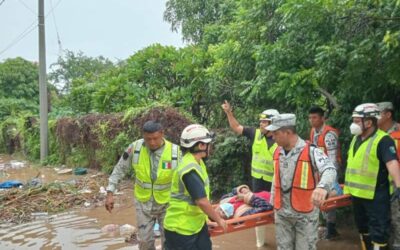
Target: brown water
[[81, 229]]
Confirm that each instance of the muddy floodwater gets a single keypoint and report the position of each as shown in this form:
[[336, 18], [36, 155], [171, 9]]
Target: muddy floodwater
[[81, 228]]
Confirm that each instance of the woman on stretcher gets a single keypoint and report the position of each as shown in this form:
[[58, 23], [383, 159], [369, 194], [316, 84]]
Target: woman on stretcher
[[241, 201]]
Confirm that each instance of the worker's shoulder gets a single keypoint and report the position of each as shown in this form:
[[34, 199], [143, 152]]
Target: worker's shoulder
[[137, 142]]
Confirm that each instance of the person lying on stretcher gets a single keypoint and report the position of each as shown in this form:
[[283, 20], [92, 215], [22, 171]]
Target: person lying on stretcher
[[241, 202]]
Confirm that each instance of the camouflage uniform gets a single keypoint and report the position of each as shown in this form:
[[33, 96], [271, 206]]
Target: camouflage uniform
[[296, 230], [332, 147], [147, 213], [395, 211]]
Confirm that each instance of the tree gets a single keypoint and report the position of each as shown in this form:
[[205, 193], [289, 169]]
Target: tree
[[72, 66], [19, 88], [192, 17]]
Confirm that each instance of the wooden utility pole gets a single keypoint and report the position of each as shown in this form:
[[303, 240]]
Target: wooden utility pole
[[44, 148]]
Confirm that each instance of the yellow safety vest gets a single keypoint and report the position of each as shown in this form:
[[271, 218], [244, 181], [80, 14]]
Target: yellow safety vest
[[144, 185], [363, 167], [183, 215], [262, 164]]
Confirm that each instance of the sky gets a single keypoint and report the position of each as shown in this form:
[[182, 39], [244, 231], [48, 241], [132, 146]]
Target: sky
[[114, 29]]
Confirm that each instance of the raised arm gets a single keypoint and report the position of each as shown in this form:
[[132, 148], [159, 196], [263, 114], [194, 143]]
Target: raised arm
[[233, 123]]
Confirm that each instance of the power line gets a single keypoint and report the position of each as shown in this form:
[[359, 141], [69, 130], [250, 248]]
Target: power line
[[53, 8], [27, 7], [27, 31], [55, 25]]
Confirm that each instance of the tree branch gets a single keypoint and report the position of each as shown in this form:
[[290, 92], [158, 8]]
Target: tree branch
[[330, 97]]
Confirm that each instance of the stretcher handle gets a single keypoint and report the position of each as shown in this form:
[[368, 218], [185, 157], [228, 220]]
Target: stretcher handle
[[245, 222]]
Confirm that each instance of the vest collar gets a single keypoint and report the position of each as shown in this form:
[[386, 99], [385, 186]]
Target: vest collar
[[319, 131], [359, 136]]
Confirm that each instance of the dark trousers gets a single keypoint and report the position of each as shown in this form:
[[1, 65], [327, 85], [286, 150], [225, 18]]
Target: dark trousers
[[259, 185], [373, 216], [199, 241]]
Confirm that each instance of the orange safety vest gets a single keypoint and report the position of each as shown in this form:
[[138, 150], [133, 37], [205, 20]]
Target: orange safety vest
[[321, 141], [303, 183], [396, 137]]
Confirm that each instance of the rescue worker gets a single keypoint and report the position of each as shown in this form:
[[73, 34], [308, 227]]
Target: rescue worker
[[153, 160], [263, 147], [186, 219], [371, 157], [296, 193], [390, 126], [326, 138]]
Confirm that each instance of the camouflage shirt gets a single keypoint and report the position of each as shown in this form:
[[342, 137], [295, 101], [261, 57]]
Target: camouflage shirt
[[287, 162]]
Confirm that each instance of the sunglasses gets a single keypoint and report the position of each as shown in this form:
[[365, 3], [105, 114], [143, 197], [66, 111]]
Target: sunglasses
[[265, 116]]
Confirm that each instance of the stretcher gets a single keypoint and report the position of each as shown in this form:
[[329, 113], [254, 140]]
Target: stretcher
[[265, 218]]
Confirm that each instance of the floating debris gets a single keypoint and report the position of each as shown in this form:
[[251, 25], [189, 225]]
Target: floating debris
[[110, 228], [18, 204], [127, 230], [65, 171]]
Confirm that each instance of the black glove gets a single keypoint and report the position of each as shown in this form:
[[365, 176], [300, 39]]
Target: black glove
[[396, 195]]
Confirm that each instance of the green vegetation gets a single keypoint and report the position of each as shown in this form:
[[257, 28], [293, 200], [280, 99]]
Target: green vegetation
[[256, 54]]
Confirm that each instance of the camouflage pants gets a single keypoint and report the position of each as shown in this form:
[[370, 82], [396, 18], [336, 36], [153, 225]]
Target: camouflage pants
[[395, 232], [147, 214], [296, 233]]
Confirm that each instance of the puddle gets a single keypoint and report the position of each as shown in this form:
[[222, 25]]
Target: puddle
[[81, 229]]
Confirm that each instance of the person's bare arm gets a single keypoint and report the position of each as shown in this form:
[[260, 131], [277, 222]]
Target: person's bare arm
[[394, 170], [233, 123]]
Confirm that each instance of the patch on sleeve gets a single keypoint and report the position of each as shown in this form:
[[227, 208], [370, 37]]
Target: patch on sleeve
[[331, 141], [127, 152], [392, 150]]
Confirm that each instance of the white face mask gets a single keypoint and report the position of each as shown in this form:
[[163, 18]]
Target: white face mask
[[355, 129]]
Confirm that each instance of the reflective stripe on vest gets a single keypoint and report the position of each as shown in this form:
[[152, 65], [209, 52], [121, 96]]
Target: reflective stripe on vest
[[321, 141], [363, 167], [303, 183], [180, 195], [145, 187], [262, 165], [183, 215]]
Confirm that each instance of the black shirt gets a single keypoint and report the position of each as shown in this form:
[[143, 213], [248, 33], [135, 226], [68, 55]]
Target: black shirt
[[195, 185], [386, 152], [250, 133]]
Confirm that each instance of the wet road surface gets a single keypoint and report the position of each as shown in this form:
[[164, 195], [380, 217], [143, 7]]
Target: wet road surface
[[81, 229]]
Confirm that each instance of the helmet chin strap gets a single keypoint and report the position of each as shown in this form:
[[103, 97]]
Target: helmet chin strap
[[362, 123]]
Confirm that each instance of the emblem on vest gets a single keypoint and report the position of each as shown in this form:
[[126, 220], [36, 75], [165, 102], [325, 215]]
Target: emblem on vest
[[166, 165]]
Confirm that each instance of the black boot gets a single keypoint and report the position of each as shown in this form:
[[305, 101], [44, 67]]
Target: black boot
[[366, 243], [332, 233]]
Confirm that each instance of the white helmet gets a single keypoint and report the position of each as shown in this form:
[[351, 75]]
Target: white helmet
[[267, 114], [367, 110], [195, 133]]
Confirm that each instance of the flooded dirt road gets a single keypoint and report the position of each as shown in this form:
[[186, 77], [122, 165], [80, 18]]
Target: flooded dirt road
[[81, 228]]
